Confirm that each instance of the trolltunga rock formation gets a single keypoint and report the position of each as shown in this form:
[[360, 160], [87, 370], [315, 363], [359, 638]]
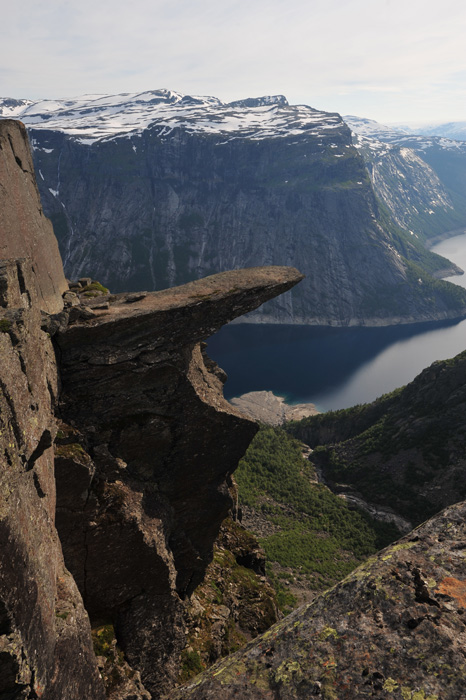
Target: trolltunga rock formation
[[154, 448]]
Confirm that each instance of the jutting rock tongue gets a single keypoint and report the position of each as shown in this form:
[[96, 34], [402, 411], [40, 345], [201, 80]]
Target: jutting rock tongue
[[24, 230], [162, 443]]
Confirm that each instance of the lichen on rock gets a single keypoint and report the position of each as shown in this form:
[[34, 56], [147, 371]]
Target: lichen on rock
[[393, 629]]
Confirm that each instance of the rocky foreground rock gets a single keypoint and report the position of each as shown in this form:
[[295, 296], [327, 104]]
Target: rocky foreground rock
[[392, 630]]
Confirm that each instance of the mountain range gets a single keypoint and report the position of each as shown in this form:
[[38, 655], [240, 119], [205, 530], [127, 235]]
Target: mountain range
[[155, 189], [452, 129]]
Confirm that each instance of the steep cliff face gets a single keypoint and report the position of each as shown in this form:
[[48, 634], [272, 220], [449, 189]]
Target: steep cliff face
[[153, 190], [143, 457], [24, 230], [421, 179], [393, 629], [45, 640]]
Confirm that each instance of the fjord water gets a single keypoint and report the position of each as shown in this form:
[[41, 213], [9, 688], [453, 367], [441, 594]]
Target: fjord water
[[336, 367]]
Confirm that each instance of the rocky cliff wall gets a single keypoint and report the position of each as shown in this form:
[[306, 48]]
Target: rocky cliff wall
[[45, 639], [24, 229], [418, 200]]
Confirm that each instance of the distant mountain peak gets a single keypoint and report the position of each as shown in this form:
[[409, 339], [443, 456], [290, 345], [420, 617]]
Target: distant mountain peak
[[261, 101], [401, 136]]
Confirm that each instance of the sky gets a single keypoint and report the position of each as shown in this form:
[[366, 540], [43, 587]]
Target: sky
[[389, 60]]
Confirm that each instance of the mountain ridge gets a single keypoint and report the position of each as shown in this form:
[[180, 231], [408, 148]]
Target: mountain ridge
[[101, 117]]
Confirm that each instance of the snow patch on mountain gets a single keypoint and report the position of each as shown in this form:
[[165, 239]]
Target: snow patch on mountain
[[91, 118]]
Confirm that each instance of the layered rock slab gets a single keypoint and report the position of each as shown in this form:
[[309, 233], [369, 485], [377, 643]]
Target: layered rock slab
[[394, 629], [161, 444]]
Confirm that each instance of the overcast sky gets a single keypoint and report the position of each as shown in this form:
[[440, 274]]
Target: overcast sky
[[390, 60]]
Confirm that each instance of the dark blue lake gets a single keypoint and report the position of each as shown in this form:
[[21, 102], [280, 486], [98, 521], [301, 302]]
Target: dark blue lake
[[331, 367], [334, 367]]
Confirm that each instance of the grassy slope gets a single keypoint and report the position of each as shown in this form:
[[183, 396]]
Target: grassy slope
[[316, 538]]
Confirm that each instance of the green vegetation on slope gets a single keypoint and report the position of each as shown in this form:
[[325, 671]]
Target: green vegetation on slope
[[405, 450], [315, 538], [232, 604]]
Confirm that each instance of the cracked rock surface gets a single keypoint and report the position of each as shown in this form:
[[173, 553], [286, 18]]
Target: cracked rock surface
[[45, 639]]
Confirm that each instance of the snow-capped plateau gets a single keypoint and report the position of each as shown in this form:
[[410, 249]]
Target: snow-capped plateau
[[92, 118], [371, 128]]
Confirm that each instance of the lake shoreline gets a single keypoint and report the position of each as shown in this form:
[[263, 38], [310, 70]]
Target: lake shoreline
[[332, 366], [435, 240]]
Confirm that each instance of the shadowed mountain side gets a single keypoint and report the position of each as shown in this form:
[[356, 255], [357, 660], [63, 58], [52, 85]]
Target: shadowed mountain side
[[405, 450], [154, 193]]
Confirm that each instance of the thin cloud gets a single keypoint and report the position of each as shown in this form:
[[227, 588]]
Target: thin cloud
[[341, 55]]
